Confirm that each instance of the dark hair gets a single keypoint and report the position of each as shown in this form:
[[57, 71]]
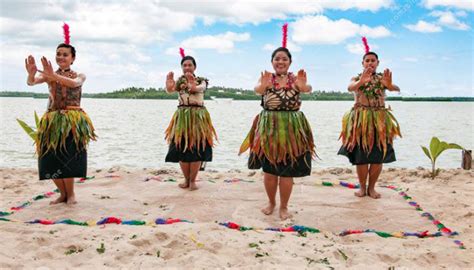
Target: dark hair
[[281, 49], [188, 57], [64, 45], [370, 53]]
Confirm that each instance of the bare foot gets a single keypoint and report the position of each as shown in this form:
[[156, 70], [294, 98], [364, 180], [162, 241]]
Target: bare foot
[[185, 184], [61, 199], [71, 199], [284, 214], [360, 193], [192, 186], [373, 194], [269, 209]]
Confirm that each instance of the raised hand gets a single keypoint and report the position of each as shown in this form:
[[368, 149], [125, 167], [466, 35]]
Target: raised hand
[[387, 79], [366, 76], [48, 71], [301, 79], [30, 66], [266, 79], [170, 83]]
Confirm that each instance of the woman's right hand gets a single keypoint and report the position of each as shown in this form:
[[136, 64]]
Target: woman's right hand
[[30, 66], [170, 83], [366, 76], [266, 79]]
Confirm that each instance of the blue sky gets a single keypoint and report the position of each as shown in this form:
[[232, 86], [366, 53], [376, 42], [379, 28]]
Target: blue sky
[[427, 44]]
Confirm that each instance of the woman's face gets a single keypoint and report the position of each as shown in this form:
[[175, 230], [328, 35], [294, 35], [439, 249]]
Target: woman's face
[[370, 62], [281, 63], [64, 57], [188, 66]]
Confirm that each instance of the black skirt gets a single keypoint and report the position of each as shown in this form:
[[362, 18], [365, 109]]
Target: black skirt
[[358, 157], [299, 168], [190, 155], [64, 163]]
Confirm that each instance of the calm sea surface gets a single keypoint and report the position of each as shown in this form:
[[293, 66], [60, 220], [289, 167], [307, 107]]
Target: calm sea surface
[[131, 132]]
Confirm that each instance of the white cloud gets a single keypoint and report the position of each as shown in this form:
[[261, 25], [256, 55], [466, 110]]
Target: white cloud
[[322, 30], [222, 43], [358, 48], [256, 12], [423, 27], [107, 67], [34, 10], [290, 45], [133, 21], [374, 32], [461, 4], [120, 43], [445, 18], [122, 37], [461, 13], [370, 5], [174, 51], [449, 19]]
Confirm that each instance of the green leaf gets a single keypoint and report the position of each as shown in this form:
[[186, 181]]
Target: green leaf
[[455, 146], [427, 152], [445, 146], [434, 147], [37, 120], [439, 149], [27, 129]]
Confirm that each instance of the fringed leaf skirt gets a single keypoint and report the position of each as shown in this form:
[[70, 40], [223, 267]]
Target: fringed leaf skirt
[[61, 144], [190, 135], [367, 135], [281, 143]]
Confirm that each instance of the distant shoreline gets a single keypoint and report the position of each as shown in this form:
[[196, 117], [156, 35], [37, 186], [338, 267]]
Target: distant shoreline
[[229, 93]]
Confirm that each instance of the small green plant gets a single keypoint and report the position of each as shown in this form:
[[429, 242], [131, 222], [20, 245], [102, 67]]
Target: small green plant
[[101, 249], [73, 250], [253, 245], [29, 130], [436, 148]]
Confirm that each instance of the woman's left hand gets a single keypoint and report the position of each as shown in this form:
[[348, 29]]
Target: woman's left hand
[[301, 80], [387, 79]]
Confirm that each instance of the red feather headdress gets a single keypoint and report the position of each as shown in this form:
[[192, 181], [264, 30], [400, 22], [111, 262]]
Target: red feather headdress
[[284, 30], [67, 36], [366, 45]]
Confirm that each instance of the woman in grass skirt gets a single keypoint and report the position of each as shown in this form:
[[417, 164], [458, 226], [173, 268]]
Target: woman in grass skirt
[[280, 140], [190, 133], [65, 130], [368, 129]]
